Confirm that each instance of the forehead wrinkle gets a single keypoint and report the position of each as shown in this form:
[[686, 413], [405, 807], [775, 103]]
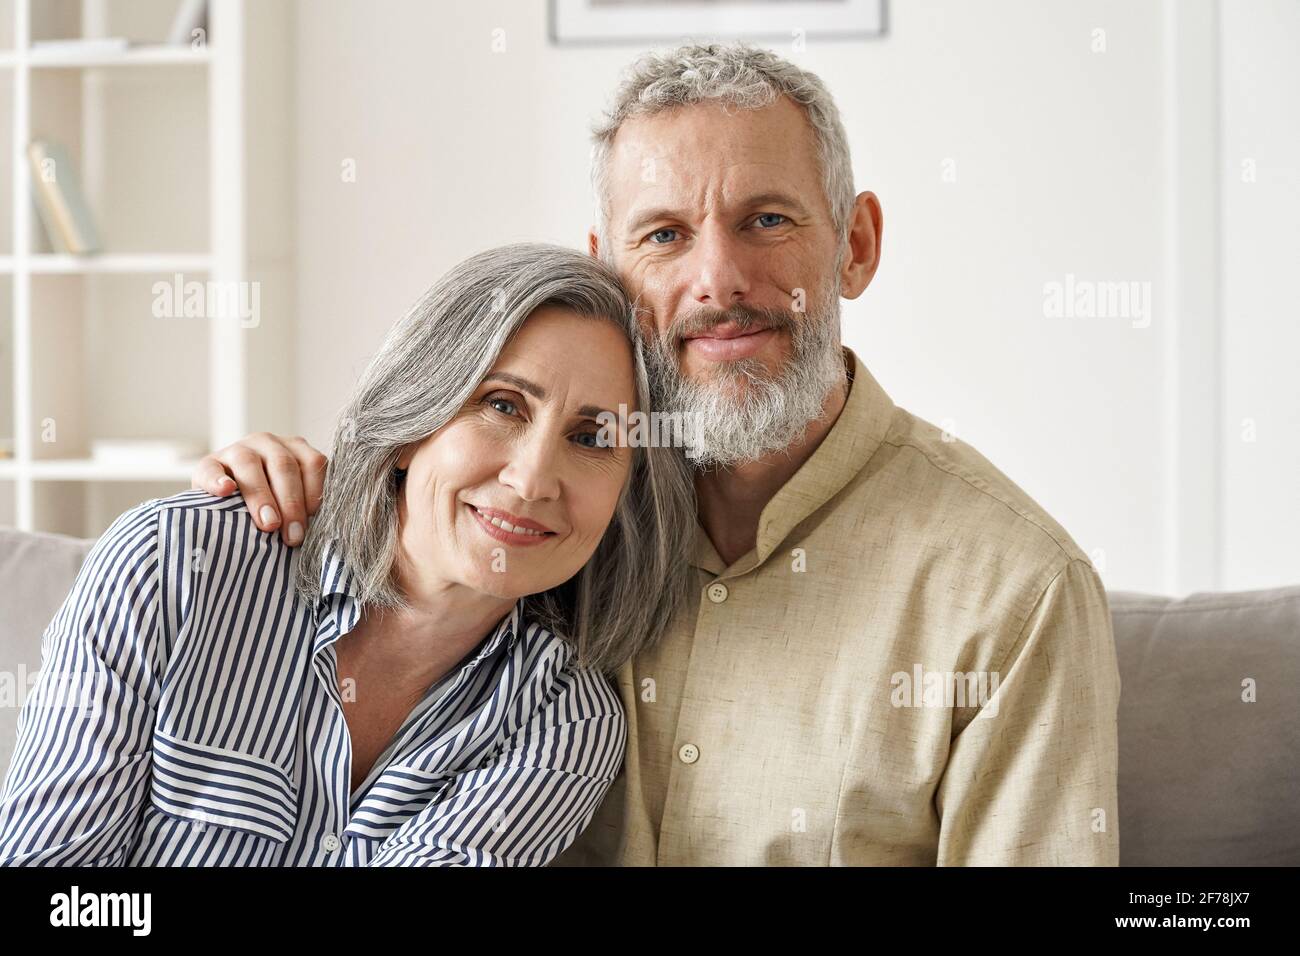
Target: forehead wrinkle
[[717, 192]]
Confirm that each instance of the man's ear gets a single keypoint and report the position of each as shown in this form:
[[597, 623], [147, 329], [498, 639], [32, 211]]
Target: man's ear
[[593, 244], [866, 225]]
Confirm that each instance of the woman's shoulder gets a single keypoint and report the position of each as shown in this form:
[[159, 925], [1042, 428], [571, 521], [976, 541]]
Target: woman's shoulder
[[230, 506], [170, 539], [119, 596], [200, 519]]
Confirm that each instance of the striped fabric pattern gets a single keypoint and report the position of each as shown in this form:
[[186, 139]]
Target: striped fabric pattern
[[188, 713]]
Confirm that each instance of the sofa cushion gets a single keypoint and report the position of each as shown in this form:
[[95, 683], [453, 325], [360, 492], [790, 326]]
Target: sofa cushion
[[1205, 777], [36, 573]]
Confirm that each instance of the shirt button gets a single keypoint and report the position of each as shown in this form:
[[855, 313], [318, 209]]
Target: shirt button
[[331, 842], [689, 753], [717, 592]]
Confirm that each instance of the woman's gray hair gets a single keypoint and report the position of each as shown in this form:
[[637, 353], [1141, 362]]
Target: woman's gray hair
[[734, 73], [426, 370]]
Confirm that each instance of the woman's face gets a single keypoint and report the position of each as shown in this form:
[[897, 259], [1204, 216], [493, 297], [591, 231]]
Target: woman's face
[[523, 451]]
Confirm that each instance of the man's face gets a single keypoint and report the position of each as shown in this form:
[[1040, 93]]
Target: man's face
[[719, 223]]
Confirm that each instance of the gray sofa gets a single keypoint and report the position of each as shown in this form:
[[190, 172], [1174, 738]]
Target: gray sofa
[[1206, 778]]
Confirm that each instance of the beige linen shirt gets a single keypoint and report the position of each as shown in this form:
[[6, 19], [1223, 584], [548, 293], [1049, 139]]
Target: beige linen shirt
[[818, 703]]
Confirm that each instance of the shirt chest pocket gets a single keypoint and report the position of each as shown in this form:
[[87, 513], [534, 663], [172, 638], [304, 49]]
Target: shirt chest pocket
[[223, 788]]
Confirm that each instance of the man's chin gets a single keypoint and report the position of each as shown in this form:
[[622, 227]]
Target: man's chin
[[733, 377]]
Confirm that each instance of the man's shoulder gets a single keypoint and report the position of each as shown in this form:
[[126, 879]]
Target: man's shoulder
[[946, 481]]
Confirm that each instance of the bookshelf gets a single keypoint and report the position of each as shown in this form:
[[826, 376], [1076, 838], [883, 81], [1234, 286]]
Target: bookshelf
[[181, 150]]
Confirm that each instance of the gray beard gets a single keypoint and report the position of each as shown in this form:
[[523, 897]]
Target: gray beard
[[744, 414]]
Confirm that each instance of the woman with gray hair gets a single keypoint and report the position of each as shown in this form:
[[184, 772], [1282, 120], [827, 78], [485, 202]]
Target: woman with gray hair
[[420, 683]]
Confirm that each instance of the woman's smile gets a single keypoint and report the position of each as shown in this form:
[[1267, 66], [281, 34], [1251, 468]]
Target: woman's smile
[[519, 531]]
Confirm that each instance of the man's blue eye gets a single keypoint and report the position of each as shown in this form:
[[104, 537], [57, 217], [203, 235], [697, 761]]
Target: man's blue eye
[[772, 215], [660, 232]]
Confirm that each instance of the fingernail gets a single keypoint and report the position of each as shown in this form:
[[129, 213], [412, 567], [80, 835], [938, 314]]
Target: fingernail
[[268, 515], [295, 532]]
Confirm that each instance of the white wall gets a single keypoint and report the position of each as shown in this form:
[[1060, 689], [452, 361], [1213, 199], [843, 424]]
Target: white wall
[[1261, 307], [1060, 162]]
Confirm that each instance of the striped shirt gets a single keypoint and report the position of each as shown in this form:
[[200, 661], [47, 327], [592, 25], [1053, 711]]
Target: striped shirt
[[188, 713]]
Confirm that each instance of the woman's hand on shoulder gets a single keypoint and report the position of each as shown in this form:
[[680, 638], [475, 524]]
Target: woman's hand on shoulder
[[281, 479]]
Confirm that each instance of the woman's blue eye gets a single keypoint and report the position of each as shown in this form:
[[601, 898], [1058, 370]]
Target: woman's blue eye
[[771, 215], [660, 232], [494, 402], [596, 440]]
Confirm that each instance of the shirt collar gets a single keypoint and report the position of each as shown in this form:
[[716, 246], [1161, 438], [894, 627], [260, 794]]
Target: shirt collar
[[338, 608], [843, 453]]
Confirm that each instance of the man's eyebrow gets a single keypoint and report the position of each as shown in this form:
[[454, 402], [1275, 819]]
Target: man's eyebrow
[[776, 199], [658, 213], [539, 393]]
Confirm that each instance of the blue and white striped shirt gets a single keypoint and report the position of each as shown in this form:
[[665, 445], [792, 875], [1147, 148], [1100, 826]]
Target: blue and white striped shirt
[[188, 714]]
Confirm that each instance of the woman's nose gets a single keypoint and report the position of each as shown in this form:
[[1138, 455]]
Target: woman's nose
[[531, 471]]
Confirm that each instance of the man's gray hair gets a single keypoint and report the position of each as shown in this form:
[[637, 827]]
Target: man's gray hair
[[733, 73], [426, 370]]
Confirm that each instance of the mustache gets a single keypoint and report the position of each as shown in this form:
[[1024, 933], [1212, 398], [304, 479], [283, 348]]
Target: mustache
[[701, 320]]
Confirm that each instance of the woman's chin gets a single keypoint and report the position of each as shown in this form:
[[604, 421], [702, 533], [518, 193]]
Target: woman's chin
[[505, 586], [496, 588]]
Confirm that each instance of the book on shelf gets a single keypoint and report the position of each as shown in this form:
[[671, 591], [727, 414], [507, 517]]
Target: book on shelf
[[59, 200]]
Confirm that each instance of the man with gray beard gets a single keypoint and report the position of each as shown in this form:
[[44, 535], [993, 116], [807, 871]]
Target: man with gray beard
[[892, 654], [763, 415]]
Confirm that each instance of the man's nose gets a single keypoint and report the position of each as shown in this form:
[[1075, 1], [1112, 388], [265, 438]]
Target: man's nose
[[531, 470], [719, 270]]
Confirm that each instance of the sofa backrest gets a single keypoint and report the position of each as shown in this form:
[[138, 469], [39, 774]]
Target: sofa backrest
[[36, 574], [1209, 728]]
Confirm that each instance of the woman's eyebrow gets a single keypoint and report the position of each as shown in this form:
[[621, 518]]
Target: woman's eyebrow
[[532, 388], [539, 393]]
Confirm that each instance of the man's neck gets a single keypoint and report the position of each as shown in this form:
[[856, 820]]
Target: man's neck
[[732, 500]]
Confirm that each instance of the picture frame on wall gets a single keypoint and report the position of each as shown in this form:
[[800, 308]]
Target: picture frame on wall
[[642, 22]]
